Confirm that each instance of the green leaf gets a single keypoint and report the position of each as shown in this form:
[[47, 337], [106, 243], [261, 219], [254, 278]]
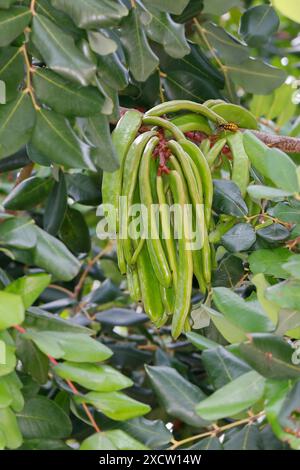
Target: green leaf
[[288, 323], [274, 233], [271, 163], [215, 7], [34, 362], [56, 206], [111, 440], [177, 395], [84, 188], [289, 415], [16, 124], [52, 255], [29, 193], [52, 127], [245, 315], [293, 266], [40, 320], [152, 433], [209, 443], [93, 377], [269, 307], [168, 6], [141, 60], [271, 356], [64, 96], [11, 310], [66, 345], [115, 405], [29, 287], [97, 132], [74, 232], [93, 14], [286, 294], [10, 429], [255, 76], [201, 342], [11, 70], [43, 418], [270, 262], [239, 238], [162, 29], [59, 51], [228, 199], [257, 192], [223, 366], [258, 24], [231, 332], [182, 84], [12, 23], [248, 438], [10, 357], [233, 398], [10, 392], [113, 71], [18, 232], [6, 3]]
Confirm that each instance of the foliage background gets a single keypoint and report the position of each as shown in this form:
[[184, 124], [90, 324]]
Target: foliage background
[[67, 71]]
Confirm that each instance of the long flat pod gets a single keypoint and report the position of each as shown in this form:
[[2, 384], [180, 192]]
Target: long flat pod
[[184, 105], [154, 244], [240, 168], [185, 264], [130, 176]]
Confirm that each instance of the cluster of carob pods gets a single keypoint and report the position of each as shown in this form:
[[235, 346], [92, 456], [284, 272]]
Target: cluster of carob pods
[[166, 158]]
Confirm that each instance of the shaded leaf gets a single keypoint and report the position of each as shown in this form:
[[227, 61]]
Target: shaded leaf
[[228, 199], [258, 24], [56, 206], [247, 438], [12, 23], [286, 294], [111, 440], [11, 70], [121, 317], [270, 262], [29, 193], [239, 238], [74, 232], [18, 232]]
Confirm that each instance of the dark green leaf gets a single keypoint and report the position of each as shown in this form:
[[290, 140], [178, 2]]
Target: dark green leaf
[[229, 271], [209, 443], [43, 418], [84, 189], [247, 438], [52, 127], [152, 433], [162, 29], [34, 362], [36, 156], [258, 24], [223, 366], [141, 60], [121, 317], [233, 398], [14, 162], [177, 395], [41, 320], [111, 440], [228, 199], [271, 356], [74, 232], [12, 23], [215, 7], [16, 124], [66, 97], [56, 206], [93, 14], [113, 71], [168, 5], [181, 84], [239, 238], [287, 212], [29, 287], [11, 70], [289, 413], [52, 255], [247, 316], [28, 193], [273, 233], [257, 192], [59, 51]]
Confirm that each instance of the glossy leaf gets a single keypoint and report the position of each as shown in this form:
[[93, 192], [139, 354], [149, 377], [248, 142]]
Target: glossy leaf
[[34, 362], [286, 294], [29, 287], [228, 329], [245, 315], [228, 199], [16, 124], [84, 188], [29, 193], [93, 377], [257, 192], [237, 114], [10, 429], [52, 127], [215, 7], [177, 395], [74, 232], [121, 317], [12, 23], [43, 418], [239, 238], [274, 233], [258, 24], [115, 405], [168, 5], [59, 51], [92, 14], [11, 70], [270, 262], [248, 438], [56, 206], [18, 232], [111, 440], [233, 398], [141, 60], [153, 433], [64, 96]]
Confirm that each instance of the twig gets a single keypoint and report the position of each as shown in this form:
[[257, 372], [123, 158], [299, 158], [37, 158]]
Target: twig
[[216, 430], [53, 361], [24, 173]]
